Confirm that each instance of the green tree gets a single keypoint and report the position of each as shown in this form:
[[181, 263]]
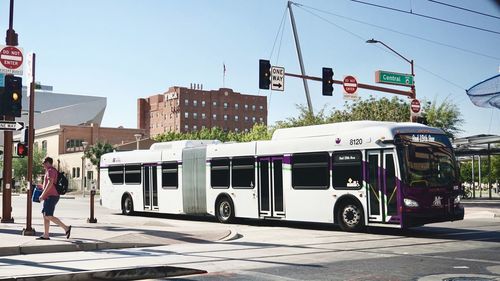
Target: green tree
[[445, 116], [384, 109], [20, 165], [94, 154], [305, 118]]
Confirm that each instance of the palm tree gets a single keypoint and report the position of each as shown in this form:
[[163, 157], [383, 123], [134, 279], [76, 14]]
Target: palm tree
[[94, 154]]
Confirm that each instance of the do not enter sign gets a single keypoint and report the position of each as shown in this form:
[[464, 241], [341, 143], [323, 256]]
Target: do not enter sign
[[11, 60], [415, 106], [350, 84]]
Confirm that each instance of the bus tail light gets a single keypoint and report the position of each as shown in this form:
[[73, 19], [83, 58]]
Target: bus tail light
[[410, 203]]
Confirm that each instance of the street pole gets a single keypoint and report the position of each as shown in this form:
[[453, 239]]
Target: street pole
[[10, 40], [29, 231], [83, 167], [301, 62]]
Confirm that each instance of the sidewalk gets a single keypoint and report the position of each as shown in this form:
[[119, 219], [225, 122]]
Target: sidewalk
[[112, 231]]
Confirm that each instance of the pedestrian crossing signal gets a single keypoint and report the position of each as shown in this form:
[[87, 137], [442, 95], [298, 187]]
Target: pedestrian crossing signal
[[21, 149]]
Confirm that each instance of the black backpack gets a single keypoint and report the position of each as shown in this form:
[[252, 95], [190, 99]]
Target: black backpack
[[61, 183]]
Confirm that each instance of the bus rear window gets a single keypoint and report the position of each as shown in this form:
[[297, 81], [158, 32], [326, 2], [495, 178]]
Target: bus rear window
[[115, 174]]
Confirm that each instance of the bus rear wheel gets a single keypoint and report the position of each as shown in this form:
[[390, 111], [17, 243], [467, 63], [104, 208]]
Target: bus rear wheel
[[128, 206], [350, 217], [224, 210]]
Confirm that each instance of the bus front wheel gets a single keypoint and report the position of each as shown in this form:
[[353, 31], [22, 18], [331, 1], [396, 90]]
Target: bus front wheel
[[350, 217], [224, 210], [128, 206]]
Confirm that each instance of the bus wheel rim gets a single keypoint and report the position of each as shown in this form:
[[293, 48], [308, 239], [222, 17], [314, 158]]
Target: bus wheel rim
[[128, 205], [351, 216], [225, 210]]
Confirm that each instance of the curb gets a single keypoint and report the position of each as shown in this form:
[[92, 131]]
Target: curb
[[73, 247], [131, 273], [232, 235]]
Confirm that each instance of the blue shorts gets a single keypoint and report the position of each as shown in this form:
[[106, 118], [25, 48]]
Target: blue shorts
[[49, 205]]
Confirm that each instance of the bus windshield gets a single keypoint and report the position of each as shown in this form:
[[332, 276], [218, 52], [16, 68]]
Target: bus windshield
[[427, 160]]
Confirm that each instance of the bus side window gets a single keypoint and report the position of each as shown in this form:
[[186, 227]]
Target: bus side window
[[311, 170], [133, 174], [219, 173], [243, 169], [115, 174], [347, 170], [169, 176]]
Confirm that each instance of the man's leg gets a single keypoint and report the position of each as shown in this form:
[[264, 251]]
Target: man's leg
[[46, 226], [58, 222]]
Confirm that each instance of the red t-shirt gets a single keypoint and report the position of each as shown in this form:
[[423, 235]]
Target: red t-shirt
[[51, 173]]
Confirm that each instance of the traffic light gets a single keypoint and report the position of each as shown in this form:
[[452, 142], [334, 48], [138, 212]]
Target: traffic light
[[21, 149], [264, 74], [327, 81], [12, 96]]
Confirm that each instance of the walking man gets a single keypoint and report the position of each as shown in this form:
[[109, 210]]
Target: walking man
[[50, 197]]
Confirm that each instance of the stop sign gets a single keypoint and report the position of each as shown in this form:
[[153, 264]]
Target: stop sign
[[11, 57], [415, 106], [350, 84]]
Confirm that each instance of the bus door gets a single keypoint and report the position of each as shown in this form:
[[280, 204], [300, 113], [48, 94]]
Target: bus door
[[150, 188], [381, 186], [271, 203]]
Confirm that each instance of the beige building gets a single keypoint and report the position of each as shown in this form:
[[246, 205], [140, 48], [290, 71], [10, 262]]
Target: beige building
[[65, 144]]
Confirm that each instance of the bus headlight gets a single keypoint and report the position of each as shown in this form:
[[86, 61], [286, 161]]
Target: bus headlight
[[410, 203], [457, 200]]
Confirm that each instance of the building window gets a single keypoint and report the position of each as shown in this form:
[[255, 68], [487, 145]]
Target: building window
[[236, 130], [214, 117], [186, 115], [225, 117], [214, 103], [243, 170], [236, 106], [72, 145], [169, 176], [261, 107], [246, 106], [246, 130], [203, 116], [202, 103], [311, 170], [347, 170], [195, 103], [261, 120], [186, 127], [195, 127], [246, 118], [253, 107], [253, 119], [226, 105], [195, 115], [236, 118], [132, 174], [44, 145], [219, 173], [203, 127], [186, 102], [115, 174]]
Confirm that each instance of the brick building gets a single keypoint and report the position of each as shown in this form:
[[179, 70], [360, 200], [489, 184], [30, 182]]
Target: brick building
[[190, 109]]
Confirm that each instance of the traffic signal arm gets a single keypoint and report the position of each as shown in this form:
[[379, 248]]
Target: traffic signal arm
[[363, 86]]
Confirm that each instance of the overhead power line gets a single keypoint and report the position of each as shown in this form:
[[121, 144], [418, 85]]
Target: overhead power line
[[428, 17], [402, 33], [464, 9]]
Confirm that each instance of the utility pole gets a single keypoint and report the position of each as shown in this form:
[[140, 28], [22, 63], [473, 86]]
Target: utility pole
[[29, 231], [10, 40], [299, 54]]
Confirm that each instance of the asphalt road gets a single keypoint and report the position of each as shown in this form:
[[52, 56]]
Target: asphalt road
[[268, 250]]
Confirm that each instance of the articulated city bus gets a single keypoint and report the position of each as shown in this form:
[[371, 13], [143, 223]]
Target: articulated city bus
[[355, 174]]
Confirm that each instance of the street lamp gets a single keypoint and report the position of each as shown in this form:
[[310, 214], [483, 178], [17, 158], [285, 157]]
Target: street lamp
[[373, 41], [137, 139], [84, 144]]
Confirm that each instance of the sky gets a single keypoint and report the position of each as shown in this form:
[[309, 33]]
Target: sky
[[125, 49]]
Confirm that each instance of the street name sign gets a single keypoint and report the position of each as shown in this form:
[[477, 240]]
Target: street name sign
[[393, 78], [277, 78], [11, 126], [350, 86], [11, 60]]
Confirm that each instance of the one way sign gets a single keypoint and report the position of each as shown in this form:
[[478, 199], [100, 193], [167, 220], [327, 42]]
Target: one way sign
[[277, 78], [11, 126]]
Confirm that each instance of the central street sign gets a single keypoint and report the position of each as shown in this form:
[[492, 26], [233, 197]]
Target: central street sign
[[394, 78], [277, 78], [11, 126], [11, 60]]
